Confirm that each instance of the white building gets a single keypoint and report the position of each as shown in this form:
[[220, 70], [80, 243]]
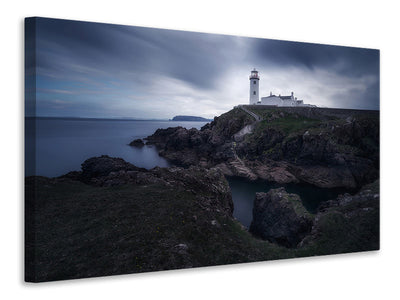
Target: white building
[[282, 100], [272, 100]]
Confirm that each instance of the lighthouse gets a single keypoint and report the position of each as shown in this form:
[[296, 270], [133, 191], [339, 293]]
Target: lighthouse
[[254, 83]]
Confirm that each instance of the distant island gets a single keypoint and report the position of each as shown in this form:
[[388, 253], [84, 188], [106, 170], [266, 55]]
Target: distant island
[[190, 118]]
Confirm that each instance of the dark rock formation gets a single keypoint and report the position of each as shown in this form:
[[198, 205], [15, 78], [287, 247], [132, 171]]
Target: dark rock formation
[[137, 143], [280, 218], [97, 167], [347, 224], [323, 147], [206, 147], [109, 171]]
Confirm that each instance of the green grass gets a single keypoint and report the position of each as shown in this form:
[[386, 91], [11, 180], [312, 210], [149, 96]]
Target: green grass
[[338, 234], [290, 124], [349, 228], [283, 121], [265, 113], [286, 128], [84, 231]]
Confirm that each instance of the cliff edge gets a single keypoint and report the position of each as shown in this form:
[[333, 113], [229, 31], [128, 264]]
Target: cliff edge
[[324, 147]]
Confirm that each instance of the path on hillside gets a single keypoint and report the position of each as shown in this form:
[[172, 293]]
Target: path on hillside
[[237, 164], [254, 115]]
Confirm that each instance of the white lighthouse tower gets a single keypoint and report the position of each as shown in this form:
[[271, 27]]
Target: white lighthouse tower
[[254, 80]]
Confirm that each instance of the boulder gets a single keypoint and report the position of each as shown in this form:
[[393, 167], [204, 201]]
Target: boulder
[[280, 217], [209, 185], [104, 165], [137, 143]]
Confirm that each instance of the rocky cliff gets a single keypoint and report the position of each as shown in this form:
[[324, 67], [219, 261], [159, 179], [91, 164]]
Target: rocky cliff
[[346, 224], [349, 223], [326, 148], [280, 218]]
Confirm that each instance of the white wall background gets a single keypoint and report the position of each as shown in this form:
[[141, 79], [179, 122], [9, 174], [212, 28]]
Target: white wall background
[[372, 24]]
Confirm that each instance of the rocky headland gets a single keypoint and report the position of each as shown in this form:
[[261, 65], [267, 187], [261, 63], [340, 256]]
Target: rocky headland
[[115, 218], [324, 147]]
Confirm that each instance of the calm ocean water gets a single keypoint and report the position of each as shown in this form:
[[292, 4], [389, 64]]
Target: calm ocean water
[[62, 145]]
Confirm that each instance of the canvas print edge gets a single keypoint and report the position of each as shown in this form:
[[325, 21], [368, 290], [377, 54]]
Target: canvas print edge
[[196, 181]]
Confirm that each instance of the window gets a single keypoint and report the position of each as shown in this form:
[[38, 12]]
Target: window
[[254, 92], [254, 82]]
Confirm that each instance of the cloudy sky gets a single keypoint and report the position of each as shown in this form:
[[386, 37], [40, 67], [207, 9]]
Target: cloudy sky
[[102, 70]]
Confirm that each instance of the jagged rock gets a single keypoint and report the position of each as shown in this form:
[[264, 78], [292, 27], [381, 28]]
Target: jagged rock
[[280, 217], [336, 148], [197, 180], [104, 165], [137, 143], [110, 171], [346, 224], [274, 172], [325, 177], [239, 136]]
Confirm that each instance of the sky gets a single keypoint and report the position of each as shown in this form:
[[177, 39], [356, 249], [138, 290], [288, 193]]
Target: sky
[[84, 69]]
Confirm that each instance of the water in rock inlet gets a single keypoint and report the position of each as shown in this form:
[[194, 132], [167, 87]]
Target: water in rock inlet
[[243, 194]]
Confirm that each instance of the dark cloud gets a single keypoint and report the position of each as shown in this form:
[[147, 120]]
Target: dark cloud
[[344, 60], [353, 98], [124, 68], [116, 50]]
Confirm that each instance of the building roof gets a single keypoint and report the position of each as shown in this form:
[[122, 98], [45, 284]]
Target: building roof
[[286, 97]]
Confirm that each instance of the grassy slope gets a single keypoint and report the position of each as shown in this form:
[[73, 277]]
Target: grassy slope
[[231, 122], [287, 124], [84, 231], [291, 125], [349, 228]]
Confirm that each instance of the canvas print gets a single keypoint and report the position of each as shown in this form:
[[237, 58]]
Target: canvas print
[[149, 149]]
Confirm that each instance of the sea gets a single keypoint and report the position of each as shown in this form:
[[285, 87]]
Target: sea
[[60, 145], [63, 144]]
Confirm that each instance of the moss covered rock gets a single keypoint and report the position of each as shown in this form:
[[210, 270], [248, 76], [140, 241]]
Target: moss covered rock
[[280, 217]]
